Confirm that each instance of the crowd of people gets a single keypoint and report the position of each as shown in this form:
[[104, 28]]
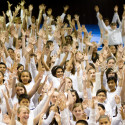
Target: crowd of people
[[54, 75]]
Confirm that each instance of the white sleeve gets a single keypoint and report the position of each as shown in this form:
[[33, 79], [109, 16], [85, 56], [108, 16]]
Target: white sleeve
[[92, 117], [99, 21], [35, 99], [37, 110], [49, 119], [63, 16], [65, 120]]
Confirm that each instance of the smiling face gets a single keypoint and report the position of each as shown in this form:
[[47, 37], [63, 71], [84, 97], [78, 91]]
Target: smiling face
[[19, 90], [111, 85], [59, 73], [24, 102], [104, 121], [111, 63], [25, 77], [91, 73], [2, 68], [101, 97], [23, 115]]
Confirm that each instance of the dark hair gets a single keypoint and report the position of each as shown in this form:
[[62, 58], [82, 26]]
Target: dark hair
[[112, 78], [102, 106], [54, 69], [21, 85], [19, 65], [23, 96], [2, 63], [73, 69], [49, 41], [94, 59], [106, 19], [101, 90], [10, 49], [77, 96], [82, 122], [47, 114], [29, 75], [110, 70], [70, 38], [92, 65]]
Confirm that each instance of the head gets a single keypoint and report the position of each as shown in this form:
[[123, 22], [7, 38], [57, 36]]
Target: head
[[112, 82], [23, 114], [35, 57], [20, 89], [3, 67], [54, 97], [104, 120], [120, 63], [113, 26], [79, 56], [81, 122], [78, 112], [91, 73], [101, 95], [101, 109], [110, 73], [57, 71], [111, 62], [75, 96], [106, 21], [24, 100], [113, 49], [68, 83], [69, 39], [20, 68], [25, 77], [71, 68], [11, 53]]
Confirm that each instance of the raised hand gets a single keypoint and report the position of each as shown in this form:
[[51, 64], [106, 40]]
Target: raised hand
[[76, 17], [96, 8], [66, 8], [116, 8], [30, 7], [117, 99]]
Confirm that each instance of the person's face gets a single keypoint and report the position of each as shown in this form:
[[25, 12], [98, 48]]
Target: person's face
[[59, 73], [74, 96], [54, 97], [68, 40], [11, 53], [20, 90], [112, 49], [79, 56], [2, 68], [49, 29], [101, 97], [120, 64], [78, 112], [111, 85], [71, 66], [20, 69], [92, 74], [106, 22], [19, 43], [1, 77], [104, 121], [25, 77], [111, 74], [110, 63], [25, 102], [23, 115], [101, 111], [68, 83], [113, 27]]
